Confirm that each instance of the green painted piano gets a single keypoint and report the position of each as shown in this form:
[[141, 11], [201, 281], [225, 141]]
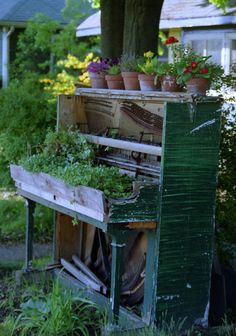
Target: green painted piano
[[151, 252]]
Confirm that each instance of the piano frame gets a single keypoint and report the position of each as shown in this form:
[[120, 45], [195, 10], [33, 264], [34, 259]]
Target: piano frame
[[179, 232]]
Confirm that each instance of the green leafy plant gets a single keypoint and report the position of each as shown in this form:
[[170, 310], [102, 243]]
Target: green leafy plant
[[12, 228], [57, 313], [148, 64], [227, 329], [164, 69], [68, 156], [114, 70], [198, 67], [25, 117], [129, 63]]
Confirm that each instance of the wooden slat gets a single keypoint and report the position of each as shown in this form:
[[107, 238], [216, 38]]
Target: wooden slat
[[85, 200], [135, 95], [142, 225], [80, 276], [89, 273]]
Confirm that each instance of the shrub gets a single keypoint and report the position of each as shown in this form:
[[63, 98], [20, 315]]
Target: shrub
[[25, 116]]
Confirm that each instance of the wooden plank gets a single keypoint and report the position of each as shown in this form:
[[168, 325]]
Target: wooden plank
[[88, 272], [61, 201], [135, 95], [125, 145], [70, 112], [67, 237], [142, 225], [64, 210], [85, 200], [81, 276]]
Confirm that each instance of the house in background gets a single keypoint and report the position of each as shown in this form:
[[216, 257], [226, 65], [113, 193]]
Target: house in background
[[198, 23], [14, 15]]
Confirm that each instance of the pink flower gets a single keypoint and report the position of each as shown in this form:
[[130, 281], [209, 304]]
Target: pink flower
[[171, 40]]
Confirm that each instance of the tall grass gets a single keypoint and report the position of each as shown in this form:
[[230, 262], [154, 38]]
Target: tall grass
[[57, 313]]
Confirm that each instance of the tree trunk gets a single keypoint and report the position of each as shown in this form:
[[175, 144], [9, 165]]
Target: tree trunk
[[141, 26], [112, 25]]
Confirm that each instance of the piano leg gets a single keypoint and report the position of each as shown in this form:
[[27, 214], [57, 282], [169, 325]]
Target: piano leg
[[118, 245], [30, 208]]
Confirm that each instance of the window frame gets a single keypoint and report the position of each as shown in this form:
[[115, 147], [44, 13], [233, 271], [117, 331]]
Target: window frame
[[225, 35]]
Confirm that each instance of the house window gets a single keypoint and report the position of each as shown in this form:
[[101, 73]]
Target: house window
[[221, 45], [206, 45]]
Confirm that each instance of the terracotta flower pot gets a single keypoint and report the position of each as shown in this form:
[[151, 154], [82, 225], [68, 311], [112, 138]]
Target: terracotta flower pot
[[168, 84], [147, 83], [197, 85], [115, 82], [97, 80], [130, 80]]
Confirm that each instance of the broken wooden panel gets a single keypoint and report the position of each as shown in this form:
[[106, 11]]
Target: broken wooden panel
[[142, 208], [187, 206]]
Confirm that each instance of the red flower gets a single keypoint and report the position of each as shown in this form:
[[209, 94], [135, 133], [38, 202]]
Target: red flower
[[194, 64], [204, 70], [188, 69], [171, 40]]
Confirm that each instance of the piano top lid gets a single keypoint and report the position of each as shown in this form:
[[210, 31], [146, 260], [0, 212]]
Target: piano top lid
[[181, 97]]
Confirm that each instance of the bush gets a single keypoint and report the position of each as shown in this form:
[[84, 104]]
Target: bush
[[226, 197], [13, 226], [25, 115]]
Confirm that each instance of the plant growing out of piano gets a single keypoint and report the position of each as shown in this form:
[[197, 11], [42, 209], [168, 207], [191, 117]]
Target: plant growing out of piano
[[68, 156]]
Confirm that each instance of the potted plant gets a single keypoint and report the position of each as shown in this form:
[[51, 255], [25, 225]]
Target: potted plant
[[193, 70], [129, 72], [167, 74], [114, 78], [148, 66], [198, 74], [97, 71]]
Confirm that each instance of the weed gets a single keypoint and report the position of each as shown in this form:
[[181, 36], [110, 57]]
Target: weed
[[56, 313], [227, 329]]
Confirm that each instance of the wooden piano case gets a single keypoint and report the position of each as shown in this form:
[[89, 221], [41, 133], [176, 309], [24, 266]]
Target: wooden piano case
[[175, 213]]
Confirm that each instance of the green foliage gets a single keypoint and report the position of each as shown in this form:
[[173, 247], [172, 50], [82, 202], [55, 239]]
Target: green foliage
[[148, 64], [34, 46], [227, 329], [220, 3], [68, 156], [43, 43], [164, 69], [7, 327], [226, 196], [57, 313], [114, 70], [12, 225], [25, 116], [129, 63]]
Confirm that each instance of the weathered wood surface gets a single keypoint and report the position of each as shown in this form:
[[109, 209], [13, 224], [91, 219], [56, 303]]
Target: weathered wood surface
[[140, 206], [64, 246], [88, 272], [81, 276], [187, 210], [135, 95], [84, 200]]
